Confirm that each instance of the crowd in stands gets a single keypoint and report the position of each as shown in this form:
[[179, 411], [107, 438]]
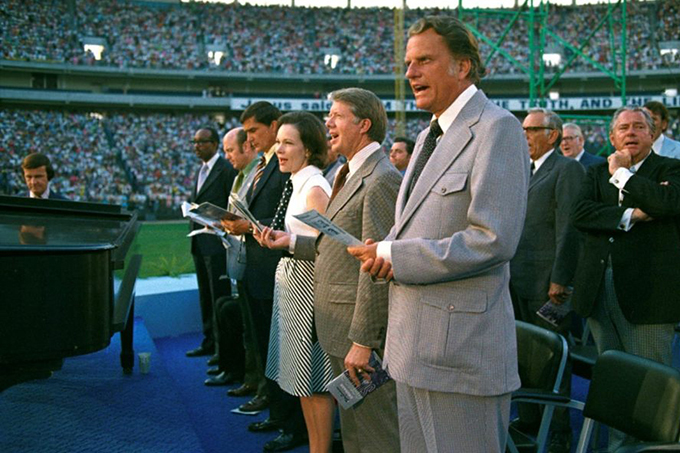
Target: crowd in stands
[[142, 161], [296, 40]]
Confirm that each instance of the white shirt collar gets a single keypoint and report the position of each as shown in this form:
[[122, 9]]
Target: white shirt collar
[[360, 157], [45, 195], [538, 162], [451, 113], [300, 178], [580, 155], [658, 144]]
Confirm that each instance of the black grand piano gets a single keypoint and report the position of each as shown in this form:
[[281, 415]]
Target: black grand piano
[[62, 289]]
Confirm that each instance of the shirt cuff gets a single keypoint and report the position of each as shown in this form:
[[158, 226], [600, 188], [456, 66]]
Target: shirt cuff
[[361, 345], [624, 223], [384, 250], [621, 177], [291, 244]]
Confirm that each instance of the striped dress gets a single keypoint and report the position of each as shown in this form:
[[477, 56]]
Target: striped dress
[[295, 359]]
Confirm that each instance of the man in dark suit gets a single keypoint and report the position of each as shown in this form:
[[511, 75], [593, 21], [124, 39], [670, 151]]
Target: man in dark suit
[[628, 280], [572, 146], [213, 183], [544, 264], [260, 123], [38, 172]]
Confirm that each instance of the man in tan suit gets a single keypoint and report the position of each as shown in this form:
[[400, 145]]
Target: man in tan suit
[[350, 310]]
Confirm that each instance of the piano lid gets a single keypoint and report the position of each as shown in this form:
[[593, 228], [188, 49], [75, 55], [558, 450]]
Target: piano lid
[[29, 225]]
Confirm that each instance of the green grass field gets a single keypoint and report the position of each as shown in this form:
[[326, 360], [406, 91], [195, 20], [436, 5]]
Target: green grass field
[[165, 249]]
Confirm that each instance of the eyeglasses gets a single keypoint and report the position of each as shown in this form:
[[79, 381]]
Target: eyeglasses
[[536, 128], [568, 138], [199, 142]]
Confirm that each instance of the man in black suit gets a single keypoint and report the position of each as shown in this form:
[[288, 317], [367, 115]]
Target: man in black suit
[[544, 264], [260, 123], [213, 184], [628, 280], [572, 146], [38, 172]]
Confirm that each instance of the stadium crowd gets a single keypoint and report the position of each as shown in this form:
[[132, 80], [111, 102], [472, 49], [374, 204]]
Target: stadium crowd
[[143, 161], [297, 40]]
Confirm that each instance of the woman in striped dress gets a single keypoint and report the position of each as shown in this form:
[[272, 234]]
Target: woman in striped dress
[[295, 359]]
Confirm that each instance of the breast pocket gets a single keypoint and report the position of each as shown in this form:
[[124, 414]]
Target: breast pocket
[[450, 183]]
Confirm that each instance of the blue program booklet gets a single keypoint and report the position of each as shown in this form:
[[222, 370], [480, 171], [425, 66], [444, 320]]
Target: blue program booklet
[[347, 394]]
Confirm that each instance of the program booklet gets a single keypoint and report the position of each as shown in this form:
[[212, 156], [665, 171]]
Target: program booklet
[[347, 394], [322, 223], [553, 313], [242, 208]]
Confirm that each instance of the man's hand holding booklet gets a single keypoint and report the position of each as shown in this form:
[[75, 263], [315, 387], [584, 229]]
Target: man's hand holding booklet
[[349, 395]]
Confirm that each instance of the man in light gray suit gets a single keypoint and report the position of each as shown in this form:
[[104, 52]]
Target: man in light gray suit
[[543, 267], [663, 146], [451, 342], [350, 311]]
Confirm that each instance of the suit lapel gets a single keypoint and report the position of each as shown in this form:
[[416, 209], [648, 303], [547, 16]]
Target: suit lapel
[[543, 171], [454, 141], [212, 176], [353, 184], [268, 170]]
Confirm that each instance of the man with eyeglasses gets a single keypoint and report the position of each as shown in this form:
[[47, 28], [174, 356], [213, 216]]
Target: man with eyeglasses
[[544, 265], [213, 184], [572, 146]]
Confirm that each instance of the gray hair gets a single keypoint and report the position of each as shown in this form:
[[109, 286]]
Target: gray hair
[[573, 126], [551, 120], [632, 108]]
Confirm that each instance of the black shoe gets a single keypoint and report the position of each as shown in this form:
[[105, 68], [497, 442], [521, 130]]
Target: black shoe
[[264, 426], [244, 390], [257, 404], [285, 442], [214, 371], [223, 378], [560, 442], [200, 351], [214, 360]]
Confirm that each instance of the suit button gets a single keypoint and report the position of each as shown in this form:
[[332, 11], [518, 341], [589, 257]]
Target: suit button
[[601, 261], [452, 307], [611, 239]]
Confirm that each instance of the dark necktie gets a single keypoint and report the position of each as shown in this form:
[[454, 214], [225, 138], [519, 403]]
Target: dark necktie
[[279, 218], [428, 148], [533, 169], [340, 179], [258, 172]]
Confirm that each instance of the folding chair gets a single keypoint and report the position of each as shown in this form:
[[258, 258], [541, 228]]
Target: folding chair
[[542, 356], [637, 396]]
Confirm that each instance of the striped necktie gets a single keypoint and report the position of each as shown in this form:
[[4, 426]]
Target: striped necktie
[[258, 172]]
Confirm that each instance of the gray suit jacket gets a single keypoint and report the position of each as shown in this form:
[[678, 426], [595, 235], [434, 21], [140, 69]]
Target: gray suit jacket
[[348, 306], [670, 148], [549, 246], [451, 324]]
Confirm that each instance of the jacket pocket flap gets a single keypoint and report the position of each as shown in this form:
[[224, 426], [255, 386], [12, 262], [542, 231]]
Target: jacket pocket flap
[[460, 301], [450, 183]]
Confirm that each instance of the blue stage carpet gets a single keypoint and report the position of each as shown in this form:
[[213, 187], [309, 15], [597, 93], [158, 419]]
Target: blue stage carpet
[[90, 406]]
